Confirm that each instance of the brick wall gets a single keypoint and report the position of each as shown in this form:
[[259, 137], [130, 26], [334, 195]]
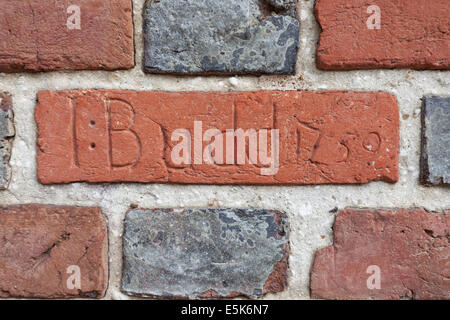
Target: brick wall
[[210, 149]]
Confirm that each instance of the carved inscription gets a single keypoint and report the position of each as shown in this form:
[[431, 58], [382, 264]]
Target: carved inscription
[[102, 133], [219, 138]]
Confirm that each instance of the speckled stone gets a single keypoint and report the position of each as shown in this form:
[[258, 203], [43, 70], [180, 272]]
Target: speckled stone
[[435, 166], [221, 37], [204, 253], [6, 135]]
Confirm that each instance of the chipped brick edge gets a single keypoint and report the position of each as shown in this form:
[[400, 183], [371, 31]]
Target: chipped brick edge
[[328, 250]]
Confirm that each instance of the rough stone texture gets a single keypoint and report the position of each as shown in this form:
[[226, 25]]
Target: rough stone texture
[[34, 35], [221, 37], [205, 253], [38, 243], [6, 136], [410, 246], [435, 162], [307, 207], [114, 136], [413, 34]]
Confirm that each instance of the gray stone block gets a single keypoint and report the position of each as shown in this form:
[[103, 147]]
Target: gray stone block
[[6, 136], [221, 36], [435, 162], [204, 253]]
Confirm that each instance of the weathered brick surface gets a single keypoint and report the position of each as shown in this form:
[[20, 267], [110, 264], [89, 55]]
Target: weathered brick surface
[[435, 162], [221, 37], [34, 35], [412, 34], [39, 243], [205, 253], [409, 246], [113, 136], [6, 135]]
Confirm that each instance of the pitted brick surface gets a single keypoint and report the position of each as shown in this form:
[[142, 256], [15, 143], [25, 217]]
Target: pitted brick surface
[[40, 246], [412, 34], [408, 250], [40, 35]]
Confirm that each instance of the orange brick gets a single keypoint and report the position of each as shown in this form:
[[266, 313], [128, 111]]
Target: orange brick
[[40, 35], [127, 136], [366, 34]]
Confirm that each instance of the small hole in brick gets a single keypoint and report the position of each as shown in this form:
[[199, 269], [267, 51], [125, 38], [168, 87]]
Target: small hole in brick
[[92, 145], [92, 123]]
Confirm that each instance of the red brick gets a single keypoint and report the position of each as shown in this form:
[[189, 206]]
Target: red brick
[[413, 34], [409, 246], [34, 35], [39, 243], [113, 136]]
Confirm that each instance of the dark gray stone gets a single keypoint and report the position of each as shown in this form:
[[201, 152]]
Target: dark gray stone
[[221, 36], [435, 163], [204, 253], [6, 135]]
